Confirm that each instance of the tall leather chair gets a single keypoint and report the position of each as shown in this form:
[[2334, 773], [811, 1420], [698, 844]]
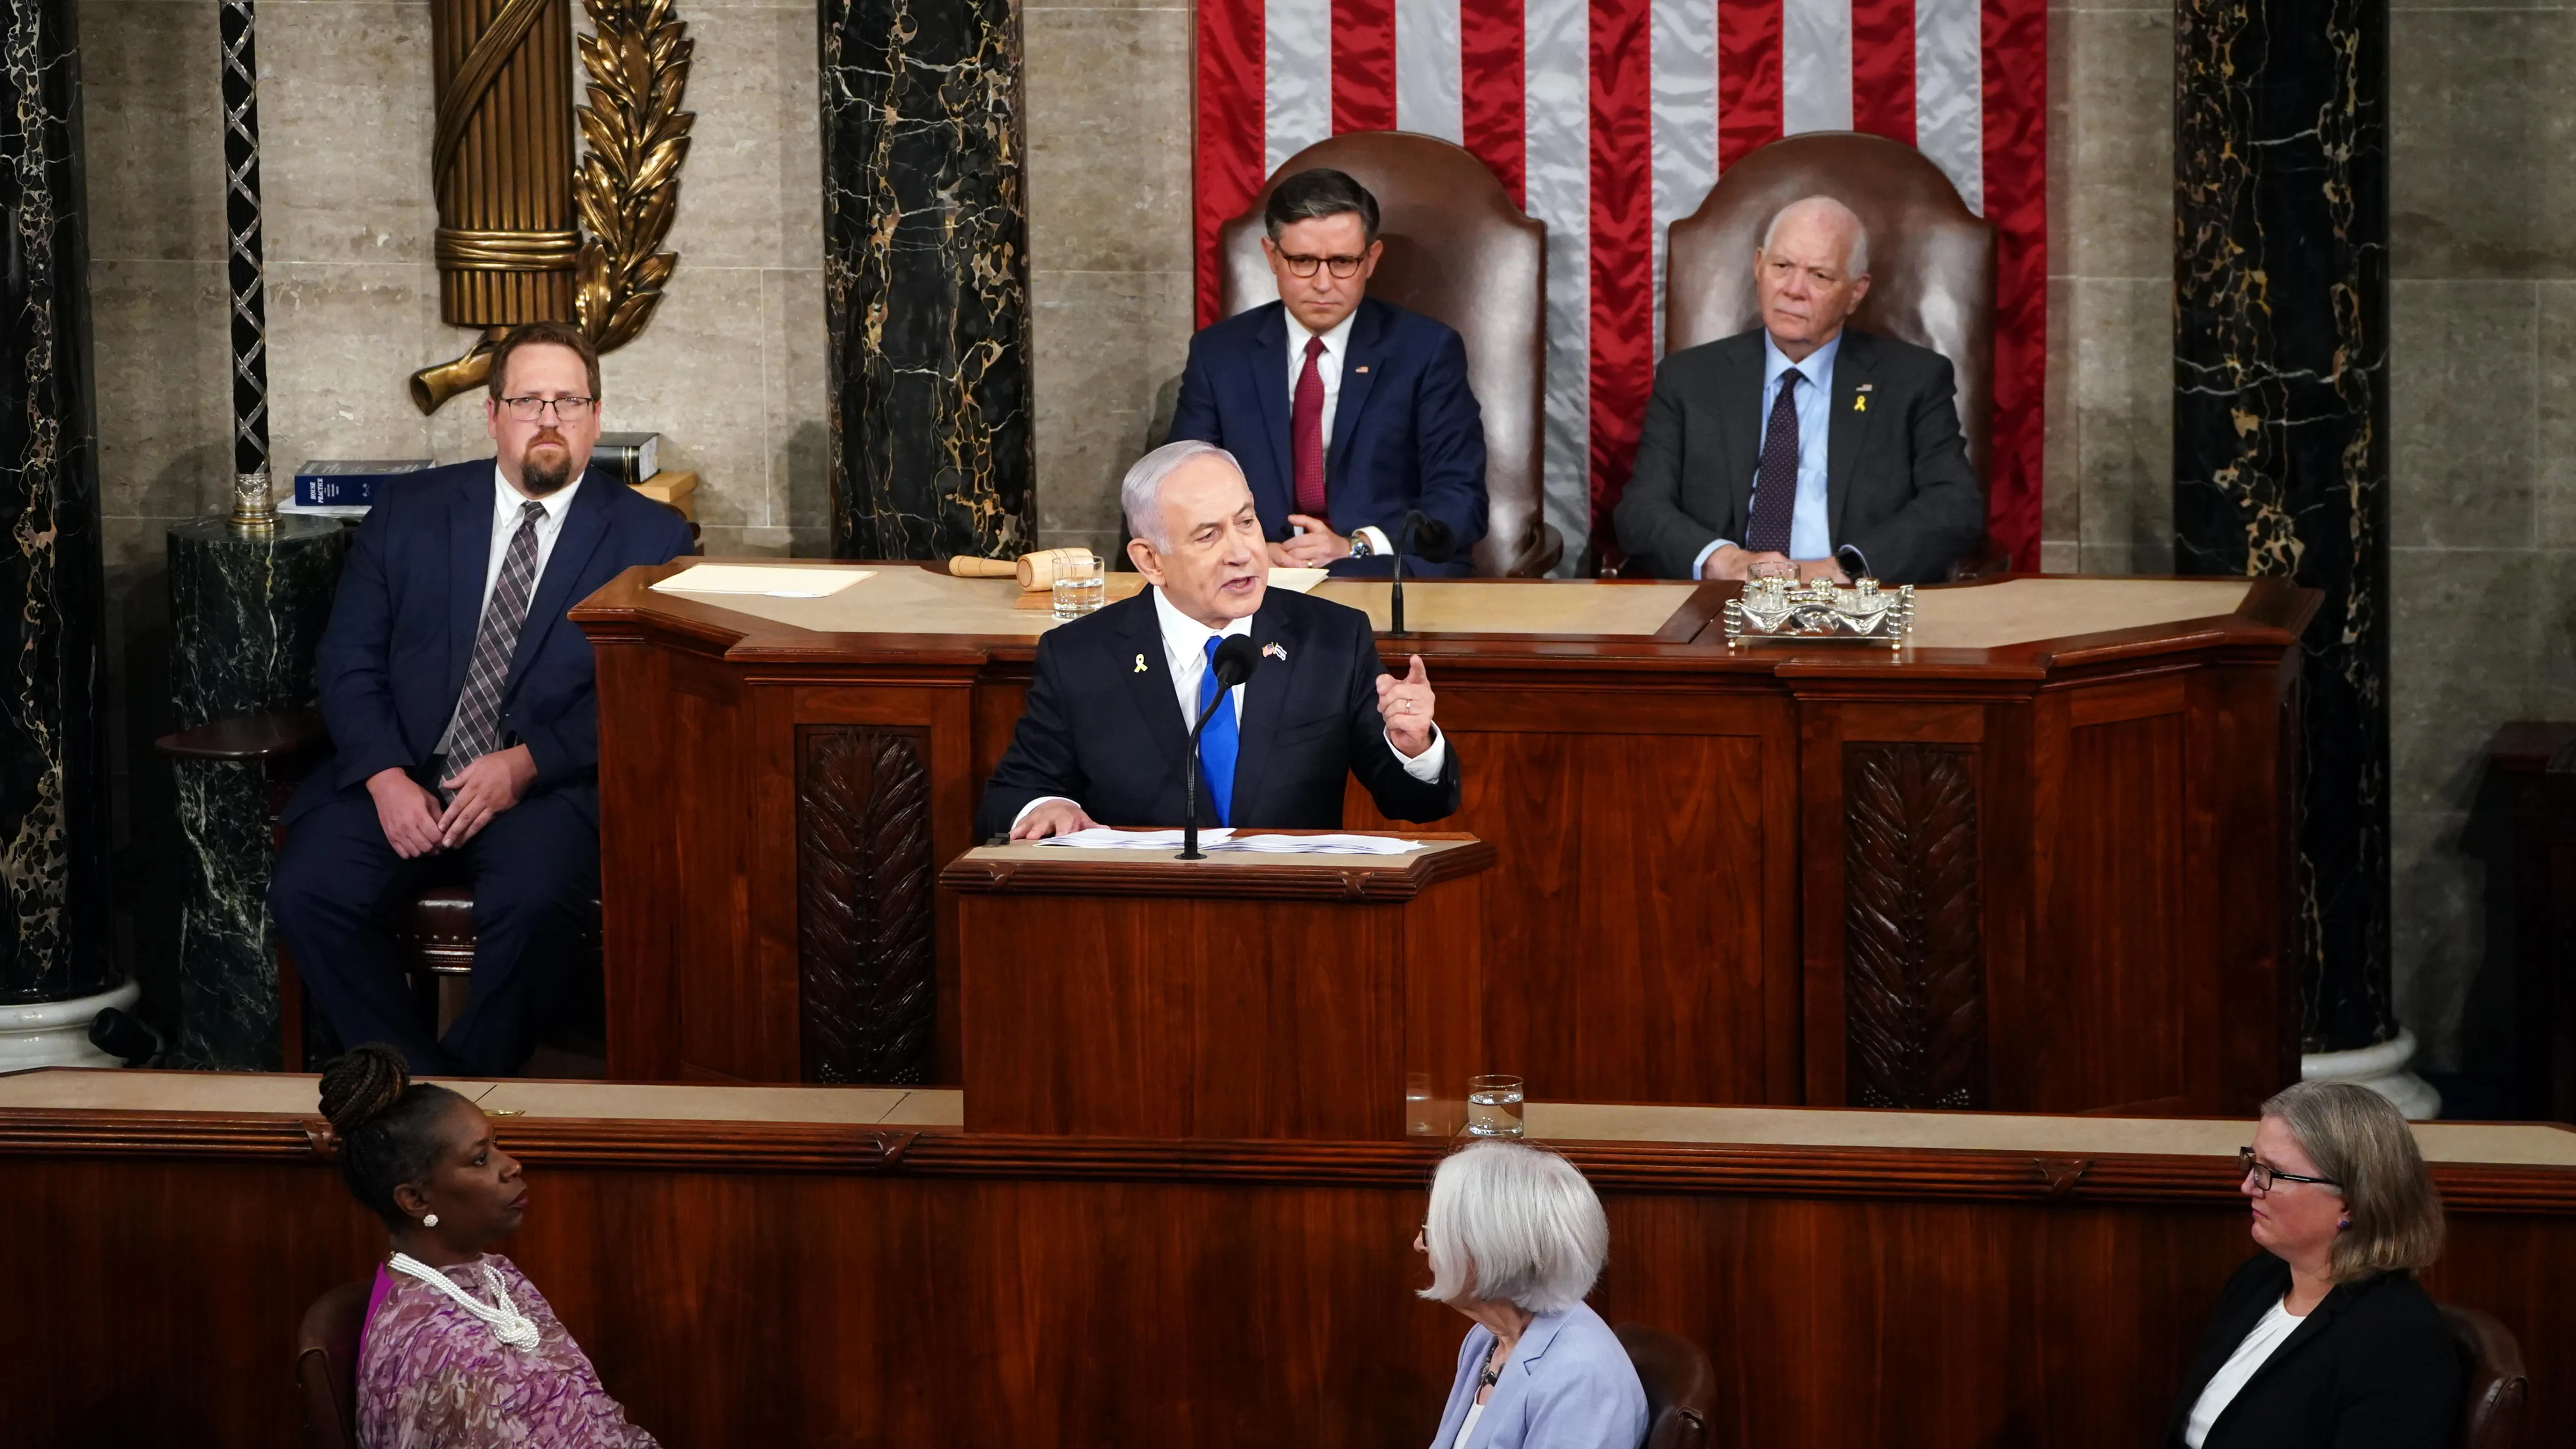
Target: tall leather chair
[[1931, 262], [2496, 1387], [326, 1365], [1681, 1387], [1457, 251]]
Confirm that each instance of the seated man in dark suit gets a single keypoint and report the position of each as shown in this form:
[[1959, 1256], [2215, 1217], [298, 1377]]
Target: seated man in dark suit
[[1105, 734], [1803, 443], [463, 718], [1346, 412]]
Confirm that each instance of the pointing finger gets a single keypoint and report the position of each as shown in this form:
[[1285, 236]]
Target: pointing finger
[[1417, 676]]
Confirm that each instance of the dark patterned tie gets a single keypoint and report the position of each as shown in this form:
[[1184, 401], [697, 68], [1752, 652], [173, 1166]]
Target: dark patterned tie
[[1775, 485], [478, 710]]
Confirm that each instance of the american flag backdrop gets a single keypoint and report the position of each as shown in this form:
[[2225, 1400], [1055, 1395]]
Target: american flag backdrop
[[1610, 119]]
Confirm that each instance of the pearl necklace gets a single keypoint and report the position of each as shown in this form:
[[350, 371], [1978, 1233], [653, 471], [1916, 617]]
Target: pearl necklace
[[508, 1324]]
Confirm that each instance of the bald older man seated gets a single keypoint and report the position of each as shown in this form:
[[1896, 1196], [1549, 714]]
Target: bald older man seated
[[1803, 444], [1104, 737]]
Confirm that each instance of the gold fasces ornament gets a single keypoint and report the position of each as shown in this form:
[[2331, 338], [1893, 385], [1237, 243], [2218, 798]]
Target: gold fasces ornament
[[626, 190]]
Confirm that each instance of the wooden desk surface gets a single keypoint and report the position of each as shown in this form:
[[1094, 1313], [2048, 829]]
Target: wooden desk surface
[[73, 1090], [914, 609]]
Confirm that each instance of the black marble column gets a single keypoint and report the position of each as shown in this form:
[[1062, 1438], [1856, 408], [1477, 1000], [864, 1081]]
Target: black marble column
[[246, 610], [2281, 418], [53, 787], [925, 276]]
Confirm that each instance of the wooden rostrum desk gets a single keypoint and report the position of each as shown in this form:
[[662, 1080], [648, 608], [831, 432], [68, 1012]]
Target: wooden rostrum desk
[[839, 1266], [2036, 861]]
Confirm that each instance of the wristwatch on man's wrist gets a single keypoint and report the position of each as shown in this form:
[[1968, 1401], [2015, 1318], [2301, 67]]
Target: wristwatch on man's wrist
[[1361, 547]]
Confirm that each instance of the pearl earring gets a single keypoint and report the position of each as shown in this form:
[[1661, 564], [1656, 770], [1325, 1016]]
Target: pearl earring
[[430, 1220]]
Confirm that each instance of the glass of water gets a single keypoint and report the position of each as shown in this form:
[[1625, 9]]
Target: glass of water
[[1079, 588], [1494, 1107]]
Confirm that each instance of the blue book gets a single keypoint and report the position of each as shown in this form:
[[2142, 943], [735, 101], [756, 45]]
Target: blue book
[[349, 482]]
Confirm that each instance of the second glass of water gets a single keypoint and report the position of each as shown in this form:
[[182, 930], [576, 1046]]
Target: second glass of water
[[1079, 588], [1494, 1107]]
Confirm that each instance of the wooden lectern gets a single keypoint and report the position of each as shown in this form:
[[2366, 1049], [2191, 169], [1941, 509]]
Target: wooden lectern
[[1119, 993]]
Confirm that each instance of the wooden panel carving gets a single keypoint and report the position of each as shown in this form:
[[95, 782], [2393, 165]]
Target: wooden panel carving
[[1913, 961], [866, 969]]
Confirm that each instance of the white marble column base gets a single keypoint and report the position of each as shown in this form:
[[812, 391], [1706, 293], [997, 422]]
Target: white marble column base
[[2382, 1069], [56, 1033]]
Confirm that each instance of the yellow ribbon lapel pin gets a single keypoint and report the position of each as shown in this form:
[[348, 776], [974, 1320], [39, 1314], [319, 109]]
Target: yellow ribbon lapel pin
[[1140, 664], [1860, 397]]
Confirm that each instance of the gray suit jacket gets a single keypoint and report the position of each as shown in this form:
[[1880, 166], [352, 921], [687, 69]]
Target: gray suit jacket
[[1898, 481], [1569, 1385]]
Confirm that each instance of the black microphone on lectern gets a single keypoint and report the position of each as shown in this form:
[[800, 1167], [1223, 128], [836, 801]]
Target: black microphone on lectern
[[1424, 537], [1235, 660]]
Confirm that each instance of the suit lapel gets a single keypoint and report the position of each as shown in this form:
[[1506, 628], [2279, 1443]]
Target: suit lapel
[[469, 553], [1742, 445], [1265, 697], [1359, 374], [584, 525], [1267, 368], [1849, 425], [1150, 688]]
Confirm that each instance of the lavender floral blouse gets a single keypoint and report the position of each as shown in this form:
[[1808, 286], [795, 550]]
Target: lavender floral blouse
[[433, 1376]]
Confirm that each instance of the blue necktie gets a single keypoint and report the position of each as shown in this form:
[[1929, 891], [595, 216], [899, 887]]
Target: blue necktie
[[1775, 486], [1217, 742]]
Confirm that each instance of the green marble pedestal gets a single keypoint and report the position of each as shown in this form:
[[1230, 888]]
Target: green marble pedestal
[[246, 612]]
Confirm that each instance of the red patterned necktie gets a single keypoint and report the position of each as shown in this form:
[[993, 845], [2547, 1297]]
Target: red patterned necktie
[[1306, 434]]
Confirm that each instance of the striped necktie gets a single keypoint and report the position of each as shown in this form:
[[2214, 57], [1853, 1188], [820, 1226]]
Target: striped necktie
[[477, 731]]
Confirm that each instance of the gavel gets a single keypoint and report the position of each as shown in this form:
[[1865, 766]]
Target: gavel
[[1035, 571]]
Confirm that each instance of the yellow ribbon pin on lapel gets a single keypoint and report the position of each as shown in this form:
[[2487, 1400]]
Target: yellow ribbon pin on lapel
[[1140, 664], [1860, 403]]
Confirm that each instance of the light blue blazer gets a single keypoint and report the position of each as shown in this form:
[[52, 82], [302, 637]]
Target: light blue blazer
[[1569, 1385]]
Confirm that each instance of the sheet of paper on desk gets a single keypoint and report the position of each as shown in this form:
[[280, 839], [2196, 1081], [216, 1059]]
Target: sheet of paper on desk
[[777, 583], [1297, 581], [1104, 837], [1323, 844]]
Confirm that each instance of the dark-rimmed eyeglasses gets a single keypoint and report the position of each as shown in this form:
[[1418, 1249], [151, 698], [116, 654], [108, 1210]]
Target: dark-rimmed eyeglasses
[[529, 409], [2264, 1176], [1305, 266]]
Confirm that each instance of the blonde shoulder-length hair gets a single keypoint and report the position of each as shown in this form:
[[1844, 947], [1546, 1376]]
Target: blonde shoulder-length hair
[[2357, 1138]]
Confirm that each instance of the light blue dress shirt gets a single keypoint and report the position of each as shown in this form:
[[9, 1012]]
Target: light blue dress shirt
[[1811, 529]]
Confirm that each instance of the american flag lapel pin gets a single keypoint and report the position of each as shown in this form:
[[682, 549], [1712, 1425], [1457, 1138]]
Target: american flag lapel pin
[[1363, 369], [1276, 651]]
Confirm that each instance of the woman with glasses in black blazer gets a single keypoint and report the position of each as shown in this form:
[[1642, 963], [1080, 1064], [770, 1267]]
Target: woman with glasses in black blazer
[[2325, 1339]]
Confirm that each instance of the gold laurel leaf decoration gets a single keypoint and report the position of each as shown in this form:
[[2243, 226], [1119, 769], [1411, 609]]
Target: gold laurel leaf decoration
[[637, 60]]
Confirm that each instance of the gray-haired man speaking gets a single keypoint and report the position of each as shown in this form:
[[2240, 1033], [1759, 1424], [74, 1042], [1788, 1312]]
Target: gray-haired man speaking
[[1105, 734]]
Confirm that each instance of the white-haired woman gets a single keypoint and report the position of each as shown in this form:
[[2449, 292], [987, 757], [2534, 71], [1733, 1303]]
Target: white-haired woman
[[1516, 1239]]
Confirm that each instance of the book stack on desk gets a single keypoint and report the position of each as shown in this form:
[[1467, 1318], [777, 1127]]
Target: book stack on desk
[[635, 460], [344, 487]]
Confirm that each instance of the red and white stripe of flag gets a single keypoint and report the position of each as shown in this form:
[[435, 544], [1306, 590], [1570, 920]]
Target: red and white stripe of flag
[[1610, 119]]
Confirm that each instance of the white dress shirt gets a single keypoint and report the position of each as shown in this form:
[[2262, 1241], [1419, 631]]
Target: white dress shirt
[[1185, 642], [1811, 534], [2269, 1332], [1328, 371], [507, 500]]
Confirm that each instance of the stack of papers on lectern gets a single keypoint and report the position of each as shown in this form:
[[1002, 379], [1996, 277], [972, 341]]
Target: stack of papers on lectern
[[777, 583], [1102, 837]]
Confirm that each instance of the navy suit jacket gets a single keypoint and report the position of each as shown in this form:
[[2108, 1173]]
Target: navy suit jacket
[[1406, 432], [1100, 730], [392, 661]]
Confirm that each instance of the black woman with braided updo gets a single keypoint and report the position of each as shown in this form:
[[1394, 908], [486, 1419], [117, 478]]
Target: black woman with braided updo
[[459, 1350]]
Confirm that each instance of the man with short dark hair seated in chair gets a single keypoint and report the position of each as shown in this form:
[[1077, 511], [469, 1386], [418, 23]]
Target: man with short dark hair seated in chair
[[1347, 412], [464, 721], [1803, 444]]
